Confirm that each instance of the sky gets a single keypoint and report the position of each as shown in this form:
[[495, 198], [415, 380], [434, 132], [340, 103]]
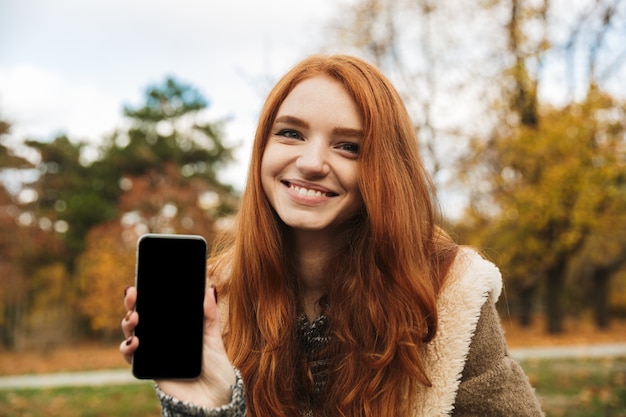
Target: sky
[[69, 66]]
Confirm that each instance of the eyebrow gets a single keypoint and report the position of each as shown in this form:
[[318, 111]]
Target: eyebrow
[[292, 121], [340, 131]]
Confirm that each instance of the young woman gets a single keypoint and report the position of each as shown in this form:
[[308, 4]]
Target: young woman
[[339, 294]]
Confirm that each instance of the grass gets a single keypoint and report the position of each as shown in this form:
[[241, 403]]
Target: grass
[[572, 388], [580, 387], [121, 400]]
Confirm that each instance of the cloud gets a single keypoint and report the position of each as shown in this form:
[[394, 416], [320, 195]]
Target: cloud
[[40, 103]]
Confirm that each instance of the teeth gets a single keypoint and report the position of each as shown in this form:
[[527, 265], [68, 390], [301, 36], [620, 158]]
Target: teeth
[[307, 192]]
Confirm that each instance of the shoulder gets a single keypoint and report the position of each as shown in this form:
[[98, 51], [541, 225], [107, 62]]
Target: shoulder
[[492, 383], [473, 275], [470, 283]]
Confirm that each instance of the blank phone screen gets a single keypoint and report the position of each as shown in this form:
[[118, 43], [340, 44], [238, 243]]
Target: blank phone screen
[[170, 281]]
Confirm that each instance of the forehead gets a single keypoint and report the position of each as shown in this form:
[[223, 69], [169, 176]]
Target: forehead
[[322, 97]]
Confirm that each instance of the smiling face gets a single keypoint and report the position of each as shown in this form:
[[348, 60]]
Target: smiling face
[[309, 169]]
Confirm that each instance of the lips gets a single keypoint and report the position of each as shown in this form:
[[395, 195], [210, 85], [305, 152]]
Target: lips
[[309, 191]]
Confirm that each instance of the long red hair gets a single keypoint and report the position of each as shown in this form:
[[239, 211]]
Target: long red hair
[[383, 293]]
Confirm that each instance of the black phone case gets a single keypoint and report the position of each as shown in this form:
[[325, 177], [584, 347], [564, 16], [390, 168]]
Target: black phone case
[[170, 281]]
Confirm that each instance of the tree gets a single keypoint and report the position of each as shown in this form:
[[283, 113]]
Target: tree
[[104, 268], [564, 160], [23, 299], [168, 131], [600, 260], [72, 194], [48, 318], [155, 202], [19, 236], [170, 128], [159, 174], [554, 188], [165, 168]]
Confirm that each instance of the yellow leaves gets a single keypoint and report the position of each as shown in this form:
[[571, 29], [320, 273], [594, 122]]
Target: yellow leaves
[[555, 186], [47, 321], [51, 283], [104, 269], [604, 395]]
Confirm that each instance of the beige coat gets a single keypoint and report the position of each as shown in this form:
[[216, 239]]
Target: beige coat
[[468, 362]]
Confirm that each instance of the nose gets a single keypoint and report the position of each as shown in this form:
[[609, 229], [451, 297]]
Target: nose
[[313, 161]]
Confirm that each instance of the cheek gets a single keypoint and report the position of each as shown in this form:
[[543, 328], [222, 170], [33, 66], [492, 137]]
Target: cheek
[[352, 186], [353, 181], [268, 173], [274, 161], [265, 174], [267, 159]]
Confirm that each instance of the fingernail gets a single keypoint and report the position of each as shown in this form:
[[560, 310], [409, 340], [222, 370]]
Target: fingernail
[[129, 341], [214, 292], [126, 290]]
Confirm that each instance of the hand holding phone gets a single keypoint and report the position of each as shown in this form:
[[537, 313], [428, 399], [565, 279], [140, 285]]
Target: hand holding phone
[[170, 282]]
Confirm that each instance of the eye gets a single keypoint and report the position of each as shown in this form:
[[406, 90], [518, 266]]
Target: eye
[[349, 147], [289, 133]]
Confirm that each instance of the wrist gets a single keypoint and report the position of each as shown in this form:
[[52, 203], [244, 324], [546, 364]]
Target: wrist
[[198, 393], [201, 407]]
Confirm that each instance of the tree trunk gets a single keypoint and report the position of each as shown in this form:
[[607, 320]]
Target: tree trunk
[[12, 331], [5, 331], [554, 292], [601, 279], [526, 305]]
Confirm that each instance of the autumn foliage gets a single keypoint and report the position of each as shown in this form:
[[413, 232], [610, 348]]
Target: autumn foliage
[[103, 270], [69, 236]]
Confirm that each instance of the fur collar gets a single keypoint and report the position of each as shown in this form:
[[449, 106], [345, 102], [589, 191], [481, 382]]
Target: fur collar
[[470, 282]]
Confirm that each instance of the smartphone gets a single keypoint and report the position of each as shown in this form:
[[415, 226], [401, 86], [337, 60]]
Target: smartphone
[[170, 281]]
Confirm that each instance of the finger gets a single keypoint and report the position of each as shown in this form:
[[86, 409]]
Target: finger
[[214, 351], [128, 347], [130, 297], [129, 322], [211, 314]]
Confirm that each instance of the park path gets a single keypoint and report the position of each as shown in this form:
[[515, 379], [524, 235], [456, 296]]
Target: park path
[[123, 376]]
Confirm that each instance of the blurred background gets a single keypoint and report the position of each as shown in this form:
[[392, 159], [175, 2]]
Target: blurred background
[[119, 118]]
